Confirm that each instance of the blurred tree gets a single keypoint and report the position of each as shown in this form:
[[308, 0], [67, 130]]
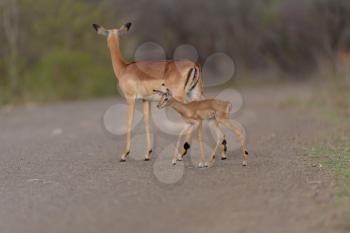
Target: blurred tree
[[45, 28], [51, 49], [10, 28]]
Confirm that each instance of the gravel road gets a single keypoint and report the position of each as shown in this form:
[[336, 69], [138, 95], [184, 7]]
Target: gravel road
[[60, 172]]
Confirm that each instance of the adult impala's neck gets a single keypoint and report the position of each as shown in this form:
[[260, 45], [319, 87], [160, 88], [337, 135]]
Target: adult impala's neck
[[117, 60]]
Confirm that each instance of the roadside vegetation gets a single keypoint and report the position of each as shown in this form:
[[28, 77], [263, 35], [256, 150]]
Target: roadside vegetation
[[330, 100], [50, 52], [333, 150], [336, 157]]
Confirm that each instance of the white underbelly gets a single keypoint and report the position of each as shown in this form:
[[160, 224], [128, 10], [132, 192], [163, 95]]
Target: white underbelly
[[152, 98]]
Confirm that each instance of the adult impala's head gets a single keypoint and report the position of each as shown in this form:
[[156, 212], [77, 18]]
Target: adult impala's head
[[112, 36], [109, 33], [166, 96]]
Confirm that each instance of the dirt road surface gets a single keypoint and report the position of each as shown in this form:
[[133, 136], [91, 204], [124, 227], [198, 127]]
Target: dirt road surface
[[60, 172]]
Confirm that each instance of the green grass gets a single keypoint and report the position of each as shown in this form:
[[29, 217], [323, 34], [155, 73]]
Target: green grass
[[337, 159], [331, 102], [332, 105]]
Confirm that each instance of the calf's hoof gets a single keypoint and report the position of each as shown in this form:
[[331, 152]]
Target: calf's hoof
[[173, 162], [223, 158], [201, 165], [244, 163]]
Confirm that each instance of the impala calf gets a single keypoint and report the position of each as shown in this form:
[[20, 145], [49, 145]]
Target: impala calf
[[193, 114], [138, 79]]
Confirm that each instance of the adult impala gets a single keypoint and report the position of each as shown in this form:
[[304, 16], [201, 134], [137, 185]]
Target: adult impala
[[138, 79]]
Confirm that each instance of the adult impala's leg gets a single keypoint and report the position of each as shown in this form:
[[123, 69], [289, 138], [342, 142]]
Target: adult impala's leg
[[176, 153], [200, 141], [146, 116], [241, 137], [131, 109]]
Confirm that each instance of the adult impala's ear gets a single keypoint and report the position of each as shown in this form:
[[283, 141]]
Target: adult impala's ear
[[124, 29], [100, 30]]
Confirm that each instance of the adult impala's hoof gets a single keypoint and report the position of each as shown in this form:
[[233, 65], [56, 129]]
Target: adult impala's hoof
[[123, 157], [244, 163], [200, 165], [223, 158], [206, 164], [148, 155], [173, 162]]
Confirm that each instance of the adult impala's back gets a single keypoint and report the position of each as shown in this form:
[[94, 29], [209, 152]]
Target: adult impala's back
[[138, 79]]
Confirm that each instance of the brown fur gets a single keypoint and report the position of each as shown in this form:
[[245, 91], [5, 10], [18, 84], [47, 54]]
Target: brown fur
[[194, 113], [138, 79]]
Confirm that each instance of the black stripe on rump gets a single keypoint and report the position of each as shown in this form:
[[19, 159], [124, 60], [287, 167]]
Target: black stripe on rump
[[188, 77]]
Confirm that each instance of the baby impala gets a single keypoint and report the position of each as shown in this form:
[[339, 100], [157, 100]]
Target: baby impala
[[216, 112]]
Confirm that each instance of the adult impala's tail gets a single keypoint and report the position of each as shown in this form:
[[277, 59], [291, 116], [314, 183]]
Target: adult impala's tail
[[194, 83]]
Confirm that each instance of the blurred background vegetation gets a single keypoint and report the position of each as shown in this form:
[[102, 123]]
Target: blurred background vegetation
[[50, 52]]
